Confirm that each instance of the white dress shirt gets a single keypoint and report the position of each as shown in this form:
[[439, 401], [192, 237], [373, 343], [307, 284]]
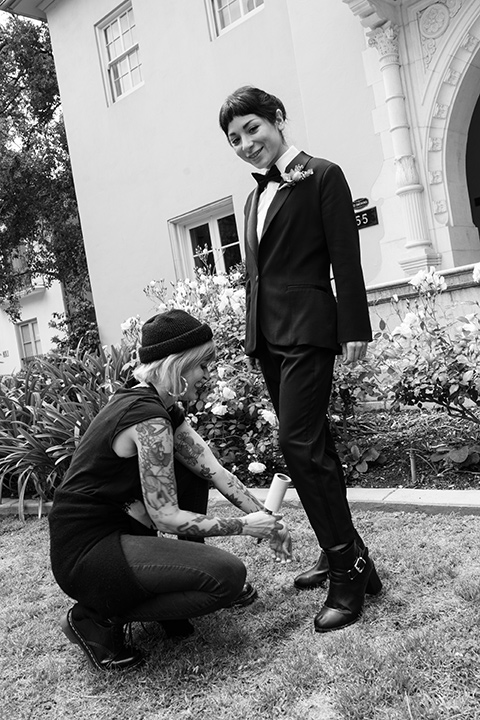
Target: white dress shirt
[[268, 194]]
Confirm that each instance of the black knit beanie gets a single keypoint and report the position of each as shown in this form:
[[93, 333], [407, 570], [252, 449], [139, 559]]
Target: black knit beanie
[[171, 332]]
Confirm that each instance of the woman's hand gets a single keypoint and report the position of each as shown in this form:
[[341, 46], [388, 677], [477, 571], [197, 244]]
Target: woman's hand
[[281, 544], [261, 524], [354, 351]]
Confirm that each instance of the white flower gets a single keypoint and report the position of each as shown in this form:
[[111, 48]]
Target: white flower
[[228, 393], [409, 324], [219, 409], [294, 176], [220, 280], [257, 468], [410, 319], [428, 281], [476, 273], [131, 324], [269, 417]]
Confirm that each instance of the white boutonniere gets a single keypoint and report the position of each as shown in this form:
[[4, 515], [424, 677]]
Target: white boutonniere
[[294, 176]]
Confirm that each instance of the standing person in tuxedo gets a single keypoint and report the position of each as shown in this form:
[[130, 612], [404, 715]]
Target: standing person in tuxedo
[[300, 225]]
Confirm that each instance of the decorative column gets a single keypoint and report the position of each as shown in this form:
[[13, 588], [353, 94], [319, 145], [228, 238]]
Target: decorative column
[[419, 250]]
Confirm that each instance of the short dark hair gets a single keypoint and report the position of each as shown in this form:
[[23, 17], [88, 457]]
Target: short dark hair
[[248, 100]]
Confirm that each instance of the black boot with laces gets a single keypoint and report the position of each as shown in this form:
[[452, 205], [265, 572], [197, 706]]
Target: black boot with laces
[[103, 642]]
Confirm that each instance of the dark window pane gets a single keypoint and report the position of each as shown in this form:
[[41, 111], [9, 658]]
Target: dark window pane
[[232, 256], [228, 230], [200, 238]]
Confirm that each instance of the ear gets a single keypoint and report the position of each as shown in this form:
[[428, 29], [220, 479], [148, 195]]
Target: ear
[[279, 119]]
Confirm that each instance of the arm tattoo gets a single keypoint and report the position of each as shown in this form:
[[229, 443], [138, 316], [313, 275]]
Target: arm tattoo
[[155, 459], [227, 526], [156, 464], [187, 448], [238, 492], [190, 453]]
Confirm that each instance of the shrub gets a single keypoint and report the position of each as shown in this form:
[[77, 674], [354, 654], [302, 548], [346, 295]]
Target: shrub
[[234, 412], [44, 410], [429, 356]]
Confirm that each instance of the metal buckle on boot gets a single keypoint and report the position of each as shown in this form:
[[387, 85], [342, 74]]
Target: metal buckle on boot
[[358, 567]]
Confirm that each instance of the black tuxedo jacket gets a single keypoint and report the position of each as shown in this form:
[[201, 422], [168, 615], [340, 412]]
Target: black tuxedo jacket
[[309, 231]]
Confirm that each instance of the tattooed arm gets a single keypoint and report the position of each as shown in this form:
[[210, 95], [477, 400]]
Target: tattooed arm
[[155, 447], [194, 452]]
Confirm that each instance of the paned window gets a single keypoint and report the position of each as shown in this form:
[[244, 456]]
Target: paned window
[[206, 239], [228, 12], [29, 340], [121, 54]]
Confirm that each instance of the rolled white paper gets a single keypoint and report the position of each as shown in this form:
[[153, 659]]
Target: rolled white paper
[[277, 492]]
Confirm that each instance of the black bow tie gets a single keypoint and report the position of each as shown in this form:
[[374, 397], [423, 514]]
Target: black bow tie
[[273, 175]]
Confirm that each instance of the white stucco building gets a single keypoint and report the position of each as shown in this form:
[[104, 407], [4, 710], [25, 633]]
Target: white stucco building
[[388, 89], [32, 335]]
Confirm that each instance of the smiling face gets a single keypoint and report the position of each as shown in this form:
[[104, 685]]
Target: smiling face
[[256, 140]]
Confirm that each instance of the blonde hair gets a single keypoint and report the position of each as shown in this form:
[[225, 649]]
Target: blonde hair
[[167, 373]]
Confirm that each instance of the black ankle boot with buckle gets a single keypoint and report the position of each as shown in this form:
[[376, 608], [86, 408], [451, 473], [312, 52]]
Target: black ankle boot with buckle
[[352, 574], [315, 577], [103, 642]]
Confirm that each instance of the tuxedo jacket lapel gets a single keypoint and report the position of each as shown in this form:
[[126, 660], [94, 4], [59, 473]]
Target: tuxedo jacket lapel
[[251, 220], [283, 192]]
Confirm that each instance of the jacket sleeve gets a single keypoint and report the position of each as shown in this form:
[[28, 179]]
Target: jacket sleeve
[[341, 233]]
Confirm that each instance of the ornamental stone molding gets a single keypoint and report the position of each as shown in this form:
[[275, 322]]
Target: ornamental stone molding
[[443, 102], [440, 207], [452, 76], [433, 22], [406, 174], [373, 13], [435, 144], [385, 40], [435, 177], [469, 43], [440, 111], [419, 252]]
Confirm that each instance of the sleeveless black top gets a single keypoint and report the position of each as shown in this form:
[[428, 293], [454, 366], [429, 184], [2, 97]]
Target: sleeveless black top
[[89, 507]]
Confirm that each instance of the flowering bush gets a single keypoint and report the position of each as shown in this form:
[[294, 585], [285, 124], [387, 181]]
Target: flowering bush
[[431, 355], [234, 411], [434, 355]]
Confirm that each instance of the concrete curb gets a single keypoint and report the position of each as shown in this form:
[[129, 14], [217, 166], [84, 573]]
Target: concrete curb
[[464, 502]]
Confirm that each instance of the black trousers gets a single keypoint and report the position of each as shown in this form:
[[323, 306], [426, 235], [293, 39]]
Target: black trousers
[[299, 381]]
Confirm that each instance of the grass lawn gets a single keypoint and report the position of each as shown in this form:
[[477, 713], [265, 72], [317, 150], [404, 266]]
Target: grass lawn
[[414, 654]]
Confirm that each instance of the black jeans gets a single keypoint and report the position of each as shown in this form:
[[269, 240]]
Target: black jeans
[[187, 578], [299, 381]]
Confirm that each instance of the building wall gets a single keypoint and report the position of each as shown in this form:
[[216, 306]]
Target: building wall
[[159, 153], [38, 305], [387, 90]]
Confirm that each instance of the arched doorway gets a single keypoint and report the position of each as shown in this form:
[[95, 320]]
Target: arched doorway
[[472, 164]]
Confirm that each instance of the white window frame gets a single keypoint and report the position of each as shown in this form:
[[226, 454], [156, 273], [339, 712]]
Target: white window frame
[[213, 17], [179, 231], [108, 65], [35, 339]]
